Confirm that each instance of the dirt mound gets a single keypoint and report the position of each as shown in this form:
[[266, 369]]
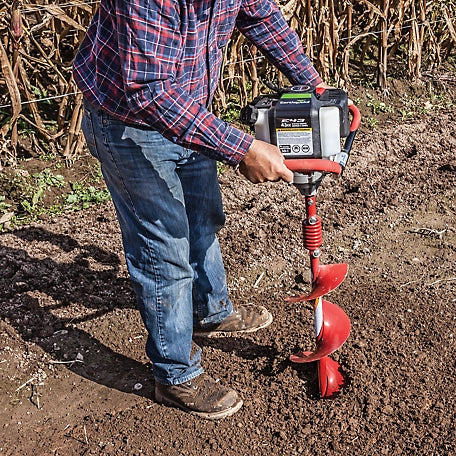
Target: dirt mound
[[74, 377]]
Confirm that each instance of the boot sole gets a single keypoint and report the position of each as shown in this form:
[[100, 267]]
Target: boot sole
[[206, 415]]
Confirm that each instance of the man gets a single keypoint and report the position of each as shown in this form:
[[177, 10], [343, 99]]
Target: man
[[148, 70]]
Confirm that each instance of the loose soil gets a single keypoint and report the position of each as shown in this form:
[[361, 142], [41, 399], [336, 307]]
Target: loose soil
[[75, 379]]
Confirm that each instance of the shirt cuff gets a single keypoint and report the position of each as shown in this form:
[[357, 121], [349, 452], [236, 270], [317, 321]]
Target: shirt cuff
[[234, 145]]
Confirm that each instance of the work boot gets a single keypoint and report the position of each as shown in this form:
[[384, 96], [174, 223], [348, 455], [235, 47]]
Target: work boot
[[245, 319], [202, 396]]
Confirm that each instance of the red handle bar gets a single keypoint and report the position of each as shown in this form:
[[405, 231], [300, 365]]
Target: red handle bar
[[356, 117], [309, 165]]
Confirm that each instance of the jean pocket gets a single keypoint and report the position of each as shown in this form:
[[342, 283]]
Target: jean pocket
[[87, 128]]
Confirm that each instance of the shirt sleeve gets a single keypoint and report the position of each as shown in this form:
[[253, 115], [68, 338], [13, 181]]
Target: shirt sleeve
[[264, 25], [150, 45]]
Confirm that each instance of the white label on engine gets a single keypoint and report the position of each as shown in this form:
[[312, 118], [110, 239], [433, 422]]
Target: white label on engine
[[294, 141]]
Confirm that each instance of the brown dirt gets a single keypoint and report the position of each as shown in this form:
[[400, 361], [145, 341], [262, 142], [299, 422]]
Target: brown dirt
[[72, 342]]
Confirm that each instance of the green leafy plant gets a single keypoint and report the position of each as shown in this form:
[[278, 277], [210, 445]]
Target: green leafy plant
[[83, 196], [47, 157], [35, 188], [413, 106], [47, 179], [6, 217], [377, 106], [4, 206], [221, 168], [97, 175], [372, 122], [26, 191]]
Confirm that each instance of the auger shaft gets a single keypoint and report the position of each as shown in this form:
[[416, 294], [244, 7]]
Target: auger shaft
[[312, 235], [331, 323]]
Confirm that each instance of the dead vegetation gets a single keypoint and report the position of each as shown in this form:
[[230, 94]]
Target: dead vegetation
[[40, 107]]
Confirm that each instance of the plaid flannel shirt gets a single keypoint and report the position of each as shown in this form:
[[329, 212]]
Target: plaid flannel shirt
[[157, 63]]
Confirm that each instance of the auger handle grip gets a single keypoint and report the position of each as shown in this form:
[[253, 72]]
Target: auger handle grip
[[309, 165], [356, 118]]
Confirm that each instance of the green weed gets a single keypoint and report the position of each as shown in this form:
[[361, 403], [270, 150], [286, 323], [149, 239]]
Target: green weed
[[40, 92], [48, 156], [3, 205], [35, 188], [83, 196], [372, 122], [231, 114], [25, 193], [221, 167], [377, 106], [413, 106]]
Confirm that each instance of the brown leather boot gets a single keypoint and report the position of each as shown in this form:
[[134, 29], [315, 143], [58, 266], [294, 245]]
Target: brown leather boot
[[245, 319], [202, 396]]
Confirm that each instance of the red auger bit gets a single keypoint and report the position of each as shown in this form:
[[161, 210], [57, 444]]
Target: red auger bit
[[331, 323]]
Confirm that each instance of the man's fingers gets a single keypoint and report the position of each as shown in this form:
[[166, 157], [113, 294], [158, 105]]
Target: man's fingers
[[264, 162], [287, 175]]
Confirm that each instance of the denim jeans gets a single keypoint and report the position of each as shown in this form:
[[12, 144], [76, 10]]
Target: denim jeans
[[168, 203]]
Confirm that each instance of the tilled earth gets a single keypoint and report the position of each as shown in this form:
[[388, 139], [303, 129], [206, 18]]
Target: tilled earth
[[74, 377]]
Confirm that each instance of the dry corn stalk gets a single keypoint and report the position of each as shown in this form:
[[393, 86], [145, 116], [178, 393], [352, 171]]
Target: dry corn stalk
[[39, 41], [14, 94]]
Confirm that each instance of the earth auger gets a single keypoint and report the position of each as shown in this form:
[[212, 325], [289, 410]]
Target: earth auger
[[307, 125]]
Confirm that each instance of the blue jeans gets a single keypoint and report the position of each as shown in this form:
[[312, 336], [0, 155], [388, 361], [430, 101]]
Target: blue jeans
[[169, 208]]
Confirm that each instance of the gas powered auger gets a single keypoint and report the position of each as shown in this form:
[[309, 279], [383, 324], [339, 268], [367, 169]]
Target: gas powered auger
[[307, 125]]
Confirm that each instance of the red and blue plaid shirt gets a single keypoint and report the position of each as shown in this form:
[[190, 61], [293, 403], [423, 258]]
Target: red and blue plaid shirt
[[157, 63]]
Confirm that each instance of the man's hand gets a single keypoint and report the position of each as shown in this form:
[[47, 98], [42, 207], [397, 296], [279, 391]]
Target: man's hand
[[264, 162]]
